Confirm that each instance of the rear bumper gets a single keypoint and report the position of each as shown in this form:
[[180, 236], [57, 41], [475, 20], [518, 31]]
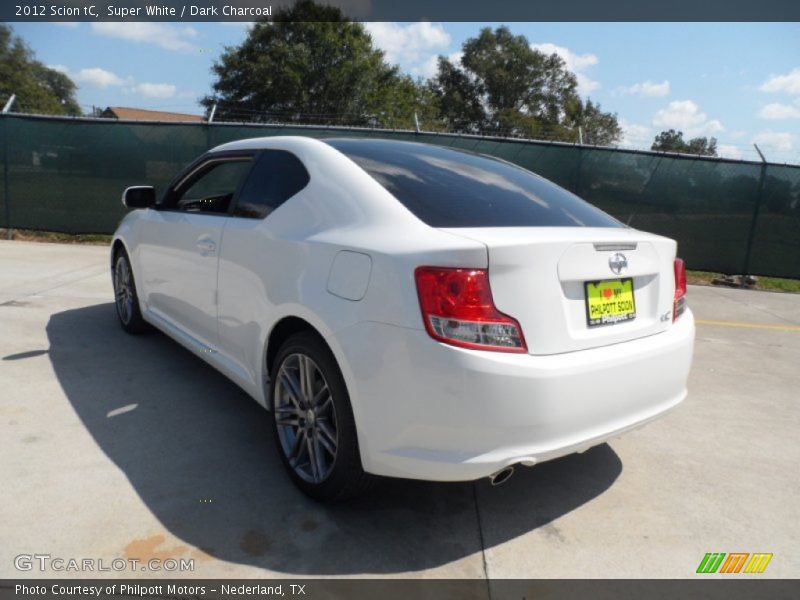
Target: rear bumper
[[426, 410]]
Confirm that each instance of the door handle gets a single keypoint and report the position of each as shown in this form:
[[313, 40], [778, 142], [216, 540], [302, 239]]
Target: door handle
[[206, 246]]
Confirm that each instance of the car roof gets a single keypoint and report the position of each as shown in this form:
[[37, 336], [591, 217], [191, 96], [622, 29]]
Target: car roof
[[337, 142], [359, 144]]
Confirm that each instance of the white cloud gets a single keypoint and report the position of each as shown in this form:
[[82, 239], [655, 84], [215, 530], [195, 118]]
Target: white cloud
[[585, 84], [635, 135], [574, 62], [154, 90], [685, 116], [410, 45], [789, 83], [577, 63], [430, 67], [774, 140], [101, 78], [728, 151], [70, 24], [455, 58], [162, 35], [93, 77], [647, 88], [779, 111], [98, 78], [426, 69]]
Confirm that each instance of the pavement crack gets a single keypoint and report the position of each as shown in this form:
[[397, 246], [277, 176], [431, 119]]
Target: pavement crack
[[482, 542]]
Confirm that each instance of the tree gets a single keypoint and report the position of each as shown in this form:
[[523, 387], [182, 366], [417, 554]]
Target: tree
[[505, 86], [457, 98], [39, 89], [598, 127], [310, 63], [702, 146], [672, 141]]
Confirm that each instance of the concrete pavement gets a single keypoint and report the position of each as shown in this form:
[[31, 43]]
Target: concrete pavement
[[119, 446]]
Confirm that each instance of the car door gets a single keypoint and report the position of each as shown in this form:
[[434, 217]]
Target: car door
[[179, 248], [252, 273]]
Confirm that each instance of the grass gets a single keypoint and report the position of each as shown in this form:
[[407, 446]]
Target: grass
[[26, 235], [772, 284]]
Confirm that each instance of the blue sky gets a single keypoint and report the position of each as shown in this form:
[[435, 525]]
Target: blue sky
[[739, 82]]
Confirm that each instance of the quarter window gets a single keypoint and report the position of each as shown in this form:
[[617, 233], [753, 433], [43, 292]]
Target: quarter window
[[276, 176]]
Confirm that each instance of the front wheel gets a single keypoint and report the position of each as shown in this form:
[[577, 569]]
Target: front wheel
[[313, 421], [125, 298]]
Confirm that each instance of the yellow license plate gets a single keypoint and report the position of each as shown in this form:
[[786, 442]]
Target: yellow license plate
[[609, 302]]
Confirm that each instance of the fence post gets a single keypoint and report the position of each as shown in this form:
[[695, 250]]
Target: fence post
[[209, 121], [754, 222], [577, 184], [6, 184]]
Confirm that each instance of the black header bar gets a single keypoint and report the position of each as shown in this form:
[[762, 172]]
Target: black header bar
[[736, 587], [406, 10]]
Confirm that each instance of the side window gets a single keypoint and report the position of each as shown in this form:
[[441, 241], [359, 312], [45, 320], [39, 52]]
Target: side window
[[277, 176], [212, 189]]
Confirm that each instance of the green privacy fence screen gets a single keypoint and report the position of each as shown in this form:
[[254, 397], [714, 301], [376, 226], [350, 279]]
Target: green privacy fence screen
[[728, 216]]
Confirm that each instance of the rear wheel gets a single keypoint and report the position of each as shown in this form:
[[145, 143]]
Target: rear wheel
[[314, 427], [125, 297]]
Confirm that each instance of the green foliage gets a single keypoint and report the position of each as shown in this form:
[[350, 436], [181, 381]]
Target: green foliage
[[310, 63], [672, 141], [504, 86], [39, 89], [599, 128], [457, 99]]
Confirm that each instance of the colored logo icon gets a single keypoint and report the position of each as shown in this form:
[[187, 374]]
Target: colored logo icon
[[734, 562]]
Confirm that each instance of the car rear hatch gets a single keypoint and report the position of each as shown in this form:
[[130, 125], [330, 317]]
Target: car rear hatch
[[539, 276]]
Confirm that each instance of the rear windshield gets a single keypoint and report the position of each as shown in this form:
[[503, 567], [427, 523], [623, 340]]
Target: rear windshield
[[448, 188]]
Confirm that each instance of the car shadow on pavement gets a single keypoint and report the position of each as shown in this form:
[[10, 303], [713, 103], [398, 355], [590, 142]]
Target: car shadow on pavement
[[200, 454]]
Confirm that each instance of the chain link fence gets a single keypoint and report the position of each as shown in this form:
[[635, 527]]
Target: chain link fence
[[735, 217]]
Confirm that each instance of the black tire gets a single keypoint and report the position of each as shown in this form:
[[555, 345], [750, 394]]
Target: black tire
[[345, 476], [126, 300]]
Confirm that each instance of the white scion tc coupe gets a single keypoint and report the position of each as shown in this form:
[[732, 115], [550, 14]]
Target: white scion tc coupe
[[405, 309]]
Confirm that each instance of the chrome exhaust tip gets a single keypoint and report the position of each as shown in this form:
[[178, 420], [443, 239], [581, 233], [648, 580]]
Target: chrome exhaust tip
[[501, 476]]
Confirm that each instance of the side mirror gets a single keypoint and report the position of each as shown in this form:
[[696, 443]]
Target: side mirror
[[140, 196]]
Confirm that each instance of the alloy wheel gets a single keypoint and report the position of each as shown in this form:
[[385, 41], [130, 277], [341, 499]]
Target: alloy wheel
[[306, 418], [123, 290]]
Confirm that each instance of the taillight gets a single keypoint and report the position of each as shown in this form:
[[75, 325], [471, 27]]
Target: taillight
[[679, 303], [458, 309]]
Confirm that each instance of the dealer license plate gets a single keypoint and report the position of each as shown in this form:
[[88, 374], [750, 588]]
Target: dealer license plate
[[609, 302]]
